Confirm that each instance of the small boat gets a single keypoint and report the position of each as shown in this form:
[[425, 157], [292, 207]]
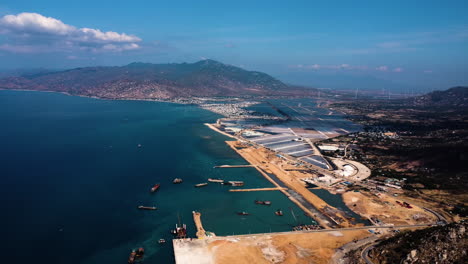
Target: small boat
[[139, 145], [177, 180], [242, 213], [131, 258], [161, 241], [141, 207], [263, 202], [279, 213], [201, 184], [215, 180], [139, 253], [155, 187], [136, 255], [236, 183]]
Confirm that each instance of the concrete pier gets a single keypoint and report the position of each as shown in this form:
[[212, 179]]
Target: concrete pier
[[234, 166], [259, 189], [201, 233]]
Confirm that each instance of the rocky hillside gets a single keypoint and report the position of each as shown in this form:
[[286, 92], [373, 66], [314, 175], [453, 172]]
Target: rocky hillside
[[156, 81], [443, 244], [454, 97]]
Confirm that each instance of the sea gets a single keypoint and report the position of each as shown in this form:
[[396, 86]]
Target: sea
[[72, 175]]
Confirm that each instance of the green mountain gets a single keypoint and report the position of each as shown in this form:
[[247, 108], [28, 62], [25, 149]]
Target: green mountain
[[156, 81]]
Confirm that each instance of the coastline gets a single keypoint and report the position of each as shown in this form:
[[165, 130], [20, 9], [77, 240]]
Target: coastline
[[95, 97], [219, 131]]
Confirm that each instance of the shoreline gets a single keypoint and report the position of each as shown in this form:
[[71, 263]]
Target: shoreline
[[96, 97]]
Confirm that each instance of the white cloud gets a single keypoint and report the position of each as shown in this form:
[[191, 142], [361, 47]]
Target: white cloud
[[89, 34], [382, 68], [32, 29], [343, 66], [34, 23]]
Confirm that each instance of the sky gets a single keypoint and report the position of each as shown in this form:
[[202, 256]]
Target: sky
[[329, 44]]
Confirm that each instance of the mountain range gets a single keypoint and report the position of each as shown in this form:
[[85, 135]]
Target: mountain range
[[156, 81]]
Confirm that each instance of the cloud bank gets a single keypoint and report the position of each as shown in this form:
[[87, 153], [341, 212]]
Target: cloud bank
[[345, 67], [32, 32]]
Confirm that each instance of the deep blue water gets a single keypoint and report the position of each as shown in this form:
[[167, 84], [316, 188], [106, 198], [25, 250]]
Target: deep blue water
[[72, 176]]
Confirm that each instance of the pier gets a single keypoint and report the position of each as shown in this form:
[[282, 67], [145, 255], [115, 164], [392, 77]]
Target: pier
[[201, 233], [234, 166], [311, 204], [259, 189]]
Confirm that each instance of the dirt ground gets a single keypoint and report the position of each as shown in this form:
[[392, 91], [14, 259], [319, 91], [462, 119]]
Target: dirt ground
[[386, 209], [268, 248]]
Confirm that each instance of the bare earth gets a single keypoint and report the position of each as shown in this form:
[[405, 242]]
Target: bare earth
[[266, 248], [386, 209]]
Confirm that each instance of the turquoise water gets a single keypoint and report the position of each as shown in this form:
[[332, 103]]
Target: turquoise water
[[336, 201], [72, 176]]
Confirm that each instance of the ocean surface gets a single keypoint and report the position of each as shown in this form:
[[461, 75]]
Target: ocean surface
[[72, 175]]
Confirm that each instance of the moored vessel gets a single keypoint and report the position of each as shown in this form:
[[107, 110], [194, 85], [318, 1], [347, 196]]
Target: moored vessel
[[136, 255], [233, 183], [180, 231], [141, 207], [155, 187], [263, 202], [201, 184], [242, 213], [177, 180], [215, 180]]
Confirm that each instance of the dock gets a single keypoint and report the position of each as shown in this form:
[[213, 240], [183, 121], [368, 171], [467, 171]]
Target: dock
[[259, 189], [234, 166], [201, 232]]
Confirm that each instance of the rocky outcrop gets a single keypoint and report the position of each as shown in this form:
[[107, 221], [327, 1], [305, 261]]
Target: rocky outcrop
[[437, 245]]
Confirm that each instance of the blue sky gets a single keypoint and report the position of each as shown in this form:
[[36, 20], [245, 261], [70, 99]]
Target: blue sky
[[336, 44]]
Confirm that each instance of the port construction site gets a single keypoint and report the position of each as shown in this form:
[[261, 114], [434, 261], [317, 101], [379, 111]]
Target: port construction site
[[284, 153]]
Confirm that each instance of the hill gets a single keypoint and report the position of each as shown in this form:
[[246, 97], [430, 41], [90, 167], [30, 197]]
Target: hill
[[443, 244], [156, 81], [453, 97]]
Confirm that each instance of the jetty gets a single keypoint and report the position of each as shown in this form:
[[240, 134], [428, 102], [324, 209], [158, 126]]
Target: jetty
[[259, 189], [234, 166], [201, 232]]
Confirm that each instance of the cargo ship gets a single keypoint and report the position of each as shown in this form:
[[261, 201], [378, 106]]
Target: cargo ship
[[201, 184], [177, 180], [263, 202], [155, 187], [136, 255], [215, 180], [234, 183], [141, 207]]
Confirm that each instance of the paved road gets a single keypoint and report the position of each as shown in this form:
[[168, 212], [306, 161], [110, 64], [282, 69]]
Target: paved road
[[338, 257], [365, 254], [440, 218], [334, 230]]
